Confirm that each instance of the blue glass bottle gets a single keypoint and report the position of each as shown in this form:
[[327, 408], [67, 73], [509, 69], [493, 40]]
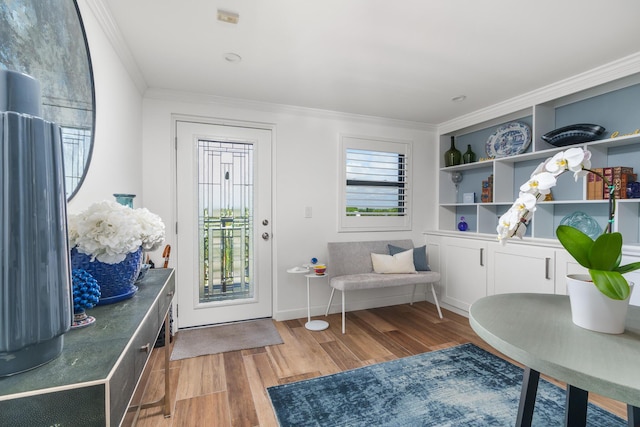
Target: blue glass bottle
[[462, 225]]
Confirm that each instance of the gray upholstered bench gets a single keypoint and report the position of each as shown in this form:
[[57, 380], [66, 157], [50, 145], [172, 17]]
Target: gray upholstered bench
[[350, 268]]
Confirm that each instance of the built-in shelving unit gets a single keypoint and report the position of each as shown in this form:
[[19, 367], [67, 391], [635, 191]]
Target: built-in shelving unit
[[615, 105]]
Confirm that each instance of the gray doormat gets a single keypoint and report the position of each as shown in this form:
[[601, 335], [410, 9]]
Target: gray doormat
[[223, 338]]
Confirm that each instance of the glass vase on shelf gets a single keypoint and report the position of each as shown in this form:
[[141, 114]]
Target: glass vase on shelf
[[462, 225], [452, 156], [469, 156]]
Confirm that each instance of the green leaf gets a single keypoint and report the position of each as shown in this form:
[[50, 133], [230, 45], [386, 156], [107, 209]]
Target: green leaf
[[628, 267], [606, 251], [610, 283], [576, 243]]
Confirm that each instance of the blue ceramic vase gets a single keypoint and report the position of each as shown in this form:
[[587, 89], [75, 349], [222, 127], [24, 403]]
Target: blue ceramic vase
[[35, 284]]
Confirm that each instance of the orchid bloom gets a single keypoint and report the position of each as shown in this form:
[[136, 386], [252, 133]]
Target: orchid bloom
[[514, 222], [575, 160], [526, 202], [540, 183]]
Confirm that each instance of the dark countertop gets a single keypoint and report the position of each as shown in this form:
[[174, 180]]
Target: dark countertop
[[89, 354]]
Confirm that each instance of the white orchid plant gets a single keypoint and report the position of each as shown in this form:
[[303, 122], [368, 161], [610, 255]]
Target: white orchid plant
[[601, 257], [108, 231]]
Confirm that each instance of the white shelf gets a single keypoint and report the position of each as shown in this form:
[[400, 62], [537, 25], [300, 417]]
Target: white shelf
[[510, 172]]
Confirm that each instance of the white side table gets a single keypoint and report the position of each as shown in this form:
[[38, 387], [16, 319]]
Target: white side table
[[312, 325]]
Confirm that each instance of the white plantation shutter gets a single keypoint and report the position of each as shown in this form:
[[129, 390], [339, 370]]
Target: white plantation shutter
[[375, 185]]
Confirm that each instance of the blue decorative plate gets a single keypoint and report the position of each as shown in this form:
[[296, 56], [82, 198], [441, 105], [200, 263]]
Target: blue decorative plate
[[508, 140]]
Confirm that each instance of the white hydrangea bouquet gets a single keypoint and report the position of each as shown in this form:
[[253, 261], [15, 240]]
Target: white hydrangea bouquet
[[108, 231]]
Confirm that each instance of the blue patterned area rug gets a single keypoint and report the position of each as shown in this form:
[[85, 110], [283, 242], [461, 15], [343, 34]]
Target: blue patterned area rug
[[458, 386]]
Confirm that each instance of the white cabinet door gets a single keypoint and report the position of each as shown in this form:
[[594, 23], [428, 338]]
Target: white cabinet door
[[565, 264], [519, 268], [464, 276]]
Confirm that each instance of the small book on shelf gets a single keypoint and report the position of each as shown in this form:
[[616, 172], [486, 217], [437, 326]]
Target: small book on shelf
[[619, 177]]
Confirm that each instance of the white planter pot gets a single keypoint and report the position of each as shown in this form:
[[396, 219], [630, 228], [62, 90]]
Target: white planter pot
[[592, 310]]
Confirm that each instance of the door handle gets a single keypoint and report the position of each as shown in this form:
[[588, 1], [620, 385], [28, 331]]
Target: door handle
[[265, 236], [547, 261]]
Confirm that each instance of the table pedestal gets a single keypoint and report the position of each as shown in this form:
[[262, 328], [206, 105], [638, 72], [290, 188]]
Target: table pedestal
[[313, 325]]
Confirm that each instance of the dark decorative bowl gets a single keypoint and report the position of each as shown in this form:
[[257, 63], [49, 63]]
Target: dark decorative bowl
[[574, 134]]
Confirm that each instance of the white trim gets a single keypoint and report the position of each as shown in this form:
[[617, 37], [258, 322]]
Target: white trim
[[621, 68], [111, 30], [201, 98]]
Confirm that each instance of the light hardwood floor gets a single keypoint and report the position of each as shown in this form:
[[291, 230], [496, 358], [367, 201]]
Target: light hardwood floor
[[229, 389]]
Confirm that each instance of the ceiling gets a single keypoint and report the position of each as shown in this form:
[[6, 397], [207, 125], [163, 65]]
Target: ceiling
[[403, 59]]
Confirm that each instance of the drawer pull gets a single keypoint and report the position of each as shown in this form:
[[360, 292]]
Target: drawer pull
[[546, 268], [145, 348], [170, 294]]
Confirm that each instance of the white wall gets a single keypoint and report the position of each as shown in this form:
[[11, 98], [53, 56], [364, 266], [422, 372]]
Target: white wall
[[305, 174], [116, 164], [133, 153]]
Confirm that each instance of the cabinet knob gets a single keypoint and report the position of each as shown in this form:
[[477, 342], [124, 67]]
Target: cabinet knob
[[145, 348], [170, 294]]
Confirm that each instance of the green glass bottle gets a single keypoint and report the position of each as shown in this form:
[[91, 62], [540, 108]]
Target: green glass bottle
[[469, 156], [452, 156]]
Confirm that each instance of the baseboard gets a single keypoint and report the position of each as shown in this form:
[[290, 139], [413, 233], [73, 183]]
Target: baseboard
[[353, 304]]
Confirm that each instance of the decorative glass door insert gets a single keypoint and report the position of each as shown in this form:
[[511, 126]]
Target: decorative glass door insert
[[225, 220]]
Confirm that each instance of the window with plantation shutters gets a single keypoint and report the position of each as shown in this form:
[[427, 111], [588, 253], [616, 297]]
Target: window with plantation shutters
[[375, 185]]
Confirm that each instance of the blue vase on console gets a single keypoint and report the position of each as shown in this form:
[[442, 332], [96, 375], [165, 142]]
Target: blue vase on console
[[116, 280], [35, 284]]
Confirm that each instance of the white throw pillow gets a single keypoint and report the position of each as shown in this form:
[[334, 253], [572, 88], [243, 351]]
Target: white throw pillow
[[398, 263]]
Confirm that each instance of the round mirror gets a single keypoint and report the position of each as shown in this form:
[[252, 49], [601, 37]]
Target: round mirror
[[46, 40]]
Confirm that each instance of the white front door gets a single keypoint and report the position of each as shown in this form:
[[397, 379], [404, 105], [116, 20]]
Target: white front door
[[224, 223]]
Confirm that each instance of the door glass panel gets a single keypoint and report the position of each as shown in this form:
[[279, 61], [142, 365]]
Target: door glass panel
[[225, 221]]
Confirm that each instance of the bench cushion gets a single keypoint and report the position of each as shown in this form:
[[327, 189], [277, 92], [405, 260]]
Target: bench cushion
[[374, 280], [355, 257]]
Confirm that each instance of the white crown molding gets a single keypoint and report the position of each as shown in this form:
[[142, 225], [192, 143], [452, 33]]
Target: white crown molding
[[618, 69], [112, 32], [200, 98]]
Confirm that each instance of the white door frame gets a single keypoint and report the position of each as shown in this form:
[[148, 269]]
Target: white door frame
[[176, 117]]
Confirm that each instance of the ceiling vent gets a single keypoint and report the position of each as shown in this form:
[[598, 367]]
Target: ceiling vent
[[228, 17]]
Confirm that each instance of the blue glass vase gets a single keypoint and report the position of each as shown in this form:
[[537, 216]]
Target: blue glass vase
[[462, 225], [125, 199], [116, 280]]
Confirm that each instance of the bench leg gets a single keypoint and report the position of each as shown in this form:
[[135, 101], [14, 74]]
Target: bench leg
[[435, 299], [343, 316], [413, 294], [333, 290]]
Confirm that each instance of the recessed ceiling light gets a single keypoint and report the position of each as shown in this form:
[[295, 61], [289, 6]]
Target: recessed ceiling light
[[459, 98], [232, 57]]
